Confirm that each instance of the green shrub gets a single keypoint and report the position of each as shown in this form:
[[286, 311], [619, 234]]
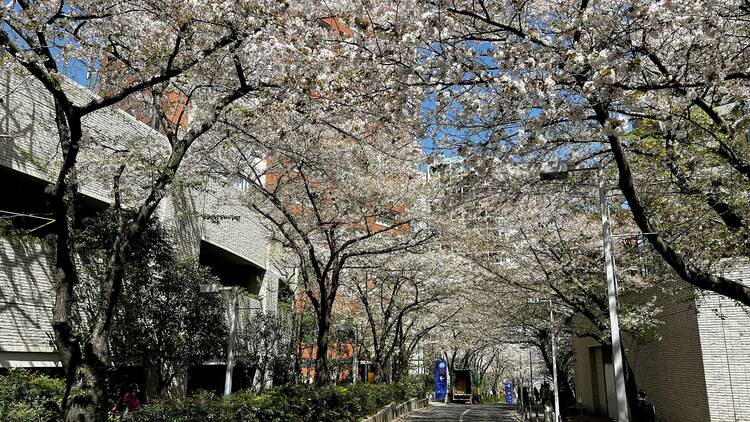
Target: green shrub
[[290, 403], [240, 407], [202, 406], [25, 397], [28, 397]]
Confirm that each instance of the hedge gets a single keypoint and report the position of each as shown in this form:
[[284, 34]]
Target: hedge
[[292, 403], [27, 397]]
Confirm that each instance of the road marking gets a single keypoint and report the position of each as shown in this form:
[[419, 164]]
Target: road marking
[[461, 418]]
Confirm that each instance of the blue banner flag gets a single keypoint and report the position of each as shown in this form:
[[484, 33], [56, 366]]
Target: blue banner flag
[[509, 393], [441, 379]]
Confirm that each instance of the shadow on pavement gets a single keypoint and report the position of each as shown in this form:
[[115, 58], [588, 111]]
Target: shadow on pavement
[[464, 413]]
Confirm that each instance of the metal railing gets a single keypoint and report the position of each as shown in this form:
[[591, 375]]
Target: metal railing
[[394, 411]]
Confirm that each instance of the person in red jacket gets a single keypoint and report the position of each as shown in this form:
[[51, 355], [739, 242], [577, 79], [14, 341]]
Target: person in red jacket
[[128, 403]]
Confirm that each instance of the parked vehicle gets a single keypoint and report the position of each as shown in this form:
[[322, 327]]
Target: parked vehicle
[[464, 386]]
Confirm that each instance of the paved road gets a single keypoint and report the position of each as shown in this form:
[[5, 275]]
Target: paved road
[[463, 413]]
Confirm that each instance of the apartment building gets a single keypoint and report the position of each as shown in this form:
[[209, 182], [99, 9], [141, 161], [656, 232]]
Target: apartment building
[[208, 222]]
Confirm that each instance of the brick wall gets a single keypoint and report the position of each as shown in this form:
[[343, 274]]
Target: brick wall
[[32, 147], [237, 229], [215, 214], [697, 366], [670, 366], [725, 339], [27, 117], [27, 120], [31, 144]]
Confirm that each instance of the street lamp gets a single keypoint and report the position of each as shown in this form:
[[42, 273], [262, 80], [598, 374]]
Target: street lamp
[[531, 387], [556, 170], [554, 354], [232, 313]]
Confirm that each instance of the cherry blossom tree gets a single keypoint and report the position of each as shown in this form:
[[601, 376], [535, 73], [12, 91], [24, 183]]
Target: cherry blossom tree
[[192, 64], [542, 242], [328, 214], [332, 167], [541, 80], [403, 298], [153, 46], [336, 226]]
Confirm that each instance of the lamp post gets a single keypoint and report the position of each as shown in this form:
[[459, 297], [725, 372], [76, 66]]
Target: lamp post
[[554, 356], [232, 305], [530, 390], [559, 170]]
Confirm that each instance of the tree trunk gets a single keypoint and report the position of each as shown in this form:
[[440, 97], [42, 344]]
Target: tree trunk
[[376, 369], [87, 393], [399, 368], [84, 377], [85, 361], [322, 371], [298, 348], [260, 374], [567, 398], [495, 385], [88, 386]]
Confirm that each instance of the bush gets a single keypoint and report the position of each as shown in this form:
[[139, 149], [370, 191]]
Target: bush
[[290, 403], [202, 406], [28, 397]]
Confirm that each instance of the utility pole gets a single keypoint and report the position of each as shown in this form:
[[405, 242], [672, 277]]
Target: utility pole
[[232, 310], [555, 170], [614, 322], [233, 303], [448, 387], [519, 385]]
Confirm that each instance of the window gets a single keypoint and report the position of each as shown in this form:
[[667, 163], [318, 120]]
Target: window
[[241, 183], [386, 218]]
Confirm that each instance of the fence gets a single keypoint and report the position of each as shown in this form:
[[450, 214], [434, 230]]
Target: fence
[[393, 411]]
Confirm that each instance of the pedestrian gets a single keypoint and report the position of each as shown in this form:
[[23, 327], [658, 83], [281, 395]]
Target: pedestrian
[[526, 403], [536, 400], [547, 394], [128, 403], [519, 396], [644, 411]]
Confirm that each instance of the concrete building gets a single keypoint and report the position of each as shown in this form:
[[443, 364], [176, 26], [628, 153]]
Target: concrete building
[[207, 222], [696, 369]]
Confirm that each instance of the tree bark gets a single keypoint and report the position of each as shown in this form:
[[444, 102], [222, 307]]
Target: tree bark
[[687, 271], [322, 370], [298, 348], [84, 375]]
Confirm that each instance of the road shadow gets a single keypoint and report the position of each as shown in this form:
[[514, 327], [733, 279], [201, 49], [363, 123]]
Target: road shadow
[[464, 413]]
